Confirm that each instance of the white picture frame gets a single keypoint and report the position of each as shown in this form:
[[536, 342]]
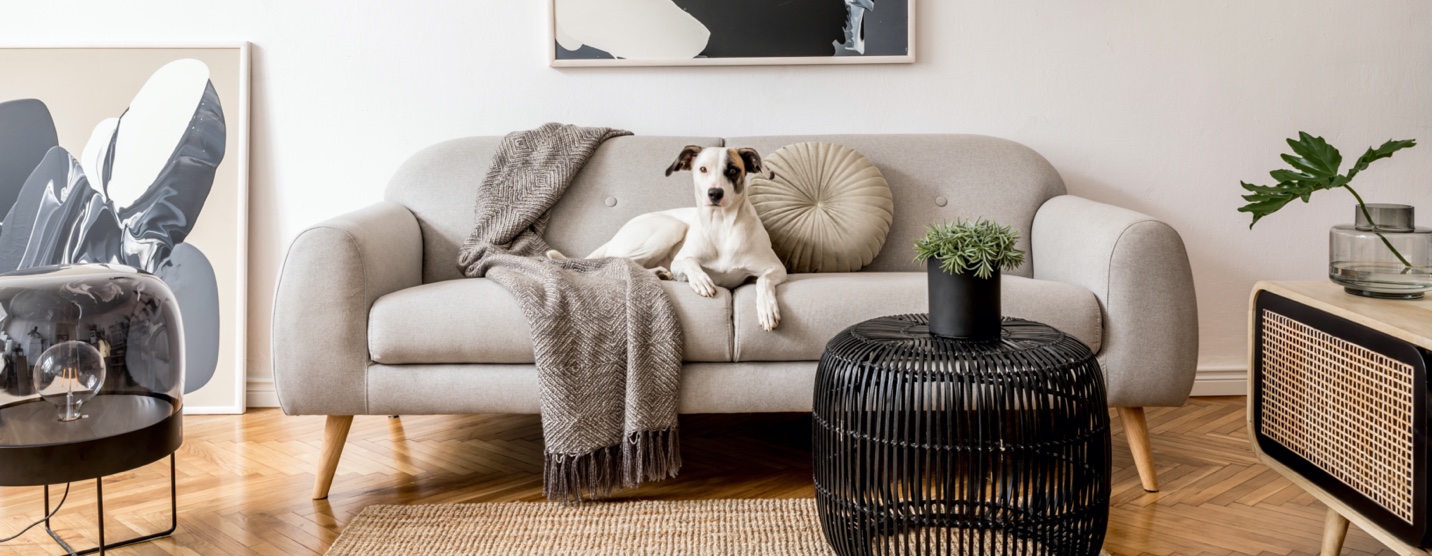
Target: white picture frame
[[560, 57], [220, 231]]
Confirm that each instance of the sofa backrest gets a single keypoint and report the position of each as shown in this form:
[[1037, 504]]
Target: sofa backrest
[[933, 178], [975, 175]]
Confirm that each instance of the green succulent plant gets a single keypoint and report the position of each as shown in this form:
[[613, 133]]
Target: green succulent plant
[[1315, 167], [981, 247]]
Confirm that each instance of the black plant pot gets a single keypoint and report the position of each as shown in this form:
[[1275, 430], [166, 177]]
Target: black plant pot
[[963, 306]]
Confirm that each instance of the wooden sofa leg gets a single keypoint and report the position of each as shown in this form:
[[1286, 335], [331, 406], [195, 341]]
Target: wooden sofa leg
[[335, 433], [1137, 429]]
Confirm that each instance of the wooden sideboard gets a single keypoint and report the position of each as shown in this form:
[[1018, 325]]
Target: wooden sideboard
[[1331, 386]]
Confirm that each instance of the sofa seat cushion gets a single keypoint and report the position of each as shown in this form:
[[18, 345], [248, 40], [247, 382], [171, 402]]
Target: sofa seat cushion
[[815, 307], [475, 320]]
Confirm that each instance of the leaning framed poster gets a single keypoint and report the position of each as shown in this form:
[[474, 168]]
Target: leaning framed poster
[[136, 155], [586, 33]]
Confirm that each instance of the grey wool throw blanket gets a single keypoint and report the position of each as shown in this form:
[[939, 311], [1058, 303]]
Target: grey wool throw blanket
[[606, 339]]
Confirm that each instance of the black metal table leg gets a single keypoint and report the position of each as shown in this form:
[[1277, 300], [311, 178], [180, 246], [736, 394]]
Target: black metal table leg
[[99, 495], [57, 538], [99, 502]]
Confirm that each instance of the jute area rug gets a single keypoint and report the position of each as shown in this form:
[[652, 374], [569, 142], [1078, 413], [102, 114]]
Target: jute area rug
[[695, 528]]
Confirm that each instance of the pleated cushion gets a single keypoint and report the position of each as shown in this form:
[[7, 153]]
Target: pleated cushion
[[827, 209]]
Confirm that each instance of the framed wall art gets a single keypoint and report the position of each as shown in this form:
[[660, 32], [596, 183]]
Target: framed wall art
[[137, 155], [588, 33]]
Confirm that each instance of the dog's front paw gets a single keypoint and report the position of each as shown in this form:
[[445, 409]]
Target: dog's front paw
[[768, 313], [702, 285], [661, 273]]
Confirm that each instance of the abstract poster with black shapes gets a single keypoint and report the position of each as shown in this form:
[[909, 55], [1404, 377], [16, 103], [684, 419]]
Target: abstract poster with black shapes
[[134, 156], [728, 32]]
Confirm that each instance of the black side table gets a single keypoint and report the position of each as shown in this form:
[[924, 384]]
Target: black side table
[[127, 432], [930, 445]]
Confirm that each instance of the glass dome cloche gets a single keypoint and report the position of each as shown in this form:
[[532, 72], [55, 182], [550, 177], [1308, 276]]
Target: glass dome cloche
[[94, 359]]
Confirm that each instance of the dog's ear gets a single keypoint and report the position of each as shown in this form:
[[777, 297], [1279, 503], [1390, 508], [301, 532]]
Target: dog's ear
[[683, 160], [752, 160]]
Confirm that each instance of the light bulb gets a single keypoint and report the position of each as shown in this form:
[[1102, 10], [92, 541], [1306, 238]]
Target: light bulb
[[68, 375]]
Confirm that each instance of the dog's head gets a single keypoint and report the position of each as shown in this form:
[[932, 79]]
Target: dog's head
[[719, 173]]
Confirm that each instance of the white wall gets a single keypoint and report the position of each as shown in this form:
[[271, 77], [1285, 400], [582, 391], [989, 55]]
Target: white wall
[[1155, 105]]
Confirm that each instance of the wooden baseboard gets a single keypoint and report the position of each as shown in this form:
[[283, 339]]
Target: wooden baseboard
[[1221, 381], [261, 393], [1211, 381]]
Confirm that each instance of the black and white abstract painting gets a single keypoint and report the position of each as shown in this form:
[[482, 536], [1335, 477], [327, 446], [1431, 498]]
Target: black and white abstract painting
[[731, 32], [134, 156]]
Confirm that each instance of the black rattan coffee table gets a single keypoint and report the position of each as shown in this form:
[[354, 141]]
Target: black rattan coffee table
[[931, 445]]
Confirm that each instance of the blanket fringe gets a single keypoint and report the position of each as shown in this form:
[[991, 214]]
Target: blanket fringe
[[570, 479], [641, 457], [650, 456]]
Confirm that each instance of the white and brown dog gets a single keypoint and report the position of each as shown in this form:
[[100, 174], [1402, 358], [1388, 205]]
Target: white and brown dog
[[720, 242]]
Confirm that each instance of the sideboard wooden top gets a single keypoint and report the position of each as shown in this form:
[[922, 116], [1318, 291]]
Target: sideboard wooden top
[[1410, 320]]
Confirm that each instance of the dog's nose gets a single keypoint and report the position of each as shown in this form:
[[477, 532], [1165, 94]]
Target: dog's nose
[[715, 194]]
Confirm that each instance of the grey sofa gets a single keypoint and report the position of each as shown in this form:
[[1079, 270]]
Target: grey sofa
[[372, 316]]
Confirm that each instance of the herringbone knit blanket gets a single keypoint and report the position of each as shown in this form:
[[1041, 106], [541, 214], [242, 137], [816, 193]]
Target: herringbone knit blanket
[[605, 335]]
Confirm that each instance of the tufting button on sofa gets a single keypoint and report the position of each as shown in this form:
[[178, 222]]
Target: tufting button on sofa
[[611, 201], [941, 201]]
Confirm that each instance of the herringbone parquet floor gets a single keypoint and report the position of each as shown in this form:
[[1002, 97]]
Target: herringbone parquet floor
[[244, 482]]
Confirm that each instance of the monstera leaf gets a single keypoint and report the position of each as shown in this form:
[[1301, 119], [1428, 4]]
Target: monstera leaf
[[1315, 168]]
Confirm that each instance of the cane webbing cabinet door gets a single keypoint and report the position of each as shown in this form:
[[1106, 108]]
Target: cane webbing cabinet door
[[1338, 401]]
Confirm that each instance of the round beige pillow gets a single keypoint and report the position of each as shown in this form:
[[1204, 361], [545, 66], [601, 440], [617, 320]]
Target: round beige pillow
[[827, 209]]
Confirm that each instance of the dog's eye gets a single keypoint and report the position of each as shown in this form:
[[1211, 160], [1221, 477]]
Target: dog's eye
[[703, 169]]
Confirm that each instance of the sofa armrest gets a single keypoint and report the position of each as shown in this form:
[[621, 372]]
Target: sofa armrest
[[330, 278], [1139, 270]]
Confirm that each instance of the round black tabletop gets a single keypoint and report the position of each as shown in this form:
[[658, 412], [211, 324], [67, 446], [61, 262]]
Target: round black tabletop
[[120, 432], [910, 334]]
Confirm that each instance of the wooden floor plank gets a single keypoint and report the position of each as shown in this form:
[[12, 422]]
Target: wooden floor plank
[[244, 482]]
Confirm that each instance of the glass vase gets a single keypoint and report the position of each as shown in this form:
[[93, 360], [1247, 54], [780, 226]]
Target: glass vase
[[1361, 255]]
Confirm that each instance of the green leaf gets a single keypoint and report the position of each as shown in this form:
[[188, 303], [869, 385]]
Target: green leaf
[[1385, 151], [980, 247], [1283, 175], [1317, 165], [1257, 188], [1319, 159], [1265, 200], [1299, 163]]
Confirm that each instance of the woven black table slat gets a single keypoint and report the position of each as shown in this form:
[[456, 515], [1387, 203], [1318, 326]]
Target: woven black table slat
[[929, 445]]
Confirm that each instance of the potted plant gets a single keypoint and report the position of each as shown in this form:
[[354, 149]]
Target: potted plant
[[963, 260], [1382, 253]]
